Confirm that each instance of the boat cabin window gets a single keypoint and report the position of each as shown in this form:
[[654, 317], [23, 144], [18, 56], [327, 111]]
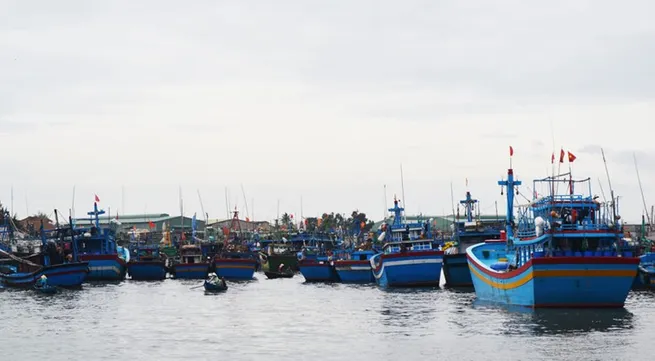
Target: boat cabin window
[[422, 246]]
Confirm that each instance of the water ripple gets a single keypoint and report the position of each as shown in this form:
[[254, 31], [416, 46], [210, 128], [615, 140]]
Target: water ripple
[[286, 318]]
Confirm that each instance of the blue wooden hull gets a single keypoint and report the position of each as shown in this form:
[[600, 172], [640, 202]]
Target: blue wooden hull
[[65, 275], [354, 271], [146, 270], [318, 271], [554, 281], [235, 269], [105, 267], [191, 271], [409, 269], [456, 270]]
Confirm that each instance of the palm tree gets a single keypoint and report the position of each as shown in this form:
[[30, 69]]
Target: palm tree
[[286, 219]]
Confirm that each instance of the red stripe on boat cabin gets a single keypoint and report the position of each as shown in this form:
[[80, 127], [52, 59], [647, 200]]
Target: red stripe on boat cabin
[[352, 263]]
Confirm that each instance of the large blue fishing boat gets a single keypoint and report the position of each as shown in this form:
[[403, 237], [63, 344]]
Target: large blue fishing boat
[[315, 260], [564, 252], [467, 233], [97, 246], [191, 263], [411, 258], [236, 261], [145, 263], [51, 262]]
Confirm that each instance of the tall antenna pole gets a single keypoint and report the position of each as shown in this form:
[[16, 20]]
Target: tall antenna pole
[[496, 205], [610, 184], [552, 134], [245, 201], [252, 207], [12, 203], [602, 192], [643, 199], [202, 207], [452, 203], [402, 188], [277, 217]]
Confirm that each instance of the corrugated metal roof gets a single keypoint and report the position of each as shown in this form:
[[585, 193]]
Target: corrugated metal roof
[[139, 218]]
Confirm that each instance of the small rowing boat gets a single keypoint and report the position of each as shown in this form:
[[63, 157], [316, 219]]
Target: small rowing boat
[[215, 284]]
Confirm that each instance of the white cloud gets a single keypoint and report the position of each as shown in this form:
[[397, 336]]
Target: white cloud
[[320, 100]]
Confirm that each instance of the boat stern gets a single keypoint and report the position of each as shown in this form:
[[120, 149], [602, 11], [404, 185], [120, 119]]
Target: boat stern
[[235, 269], [354, 271]]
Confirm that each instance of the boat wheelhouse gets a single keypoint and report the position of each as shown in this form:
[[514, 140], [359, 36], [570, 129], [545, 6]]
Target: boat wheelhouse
[[411, 258], [191, 263], [473, 230], [236, 261], [98, 247], [146, 263]]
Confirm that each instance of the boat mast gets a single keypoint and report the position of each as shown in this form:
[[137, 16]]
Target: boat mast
[[609, 182], [205, 215], [452, 203], [468, 204], [509, 184], [245, 201], [402, 188], [641, 189]]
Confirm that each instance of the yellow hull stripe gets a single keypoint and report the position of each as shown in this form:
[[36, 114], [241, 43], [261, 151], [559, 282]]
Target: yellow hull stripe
[[551, 273]]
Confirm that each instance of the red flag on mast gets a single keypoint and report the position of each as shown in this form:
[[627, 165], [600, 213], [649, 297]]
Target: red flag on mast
[[552, 158], [561, 156], [511, 151], [97, 199], [571, 156]]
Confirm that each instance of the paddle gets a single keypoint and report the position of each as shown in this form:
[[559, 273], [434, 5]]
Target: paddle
[[193, 288]]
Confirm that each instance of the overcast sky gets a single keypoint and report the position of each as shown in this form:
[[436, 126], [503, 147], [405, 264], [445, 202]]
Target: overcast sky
[[318, 99]]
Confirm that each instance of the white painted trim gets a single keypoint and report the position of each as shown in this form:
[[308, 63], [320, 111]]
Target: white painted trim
[[406, 263]]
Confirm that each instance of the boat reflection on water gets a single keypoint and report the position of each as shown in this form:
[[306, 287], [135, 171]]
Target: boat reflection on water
[[540, 322], [408, 308]]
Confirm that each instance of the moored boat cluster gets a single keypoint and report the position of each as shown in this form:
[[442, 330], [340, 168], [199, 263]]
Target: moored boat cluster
[[557, 250]]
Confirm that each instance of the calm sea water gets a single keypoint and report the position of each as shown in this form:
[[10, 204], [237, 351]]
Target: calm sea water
[[287, 319]]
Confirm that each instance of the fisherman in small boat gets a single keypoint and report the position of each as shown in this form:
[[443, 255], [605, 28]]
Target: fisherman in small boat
[[213, 278], [282, 269], [43, 281]]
